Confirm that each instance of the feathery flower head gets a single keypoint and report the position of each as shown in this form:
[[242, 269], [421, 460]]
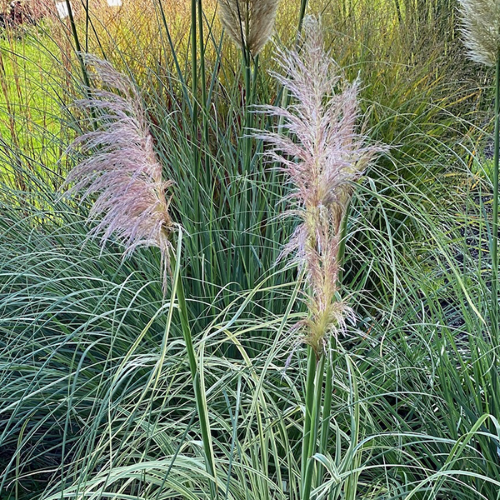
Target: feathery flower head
[[121, 166], [481, 29], [249, 22], [322, 154]]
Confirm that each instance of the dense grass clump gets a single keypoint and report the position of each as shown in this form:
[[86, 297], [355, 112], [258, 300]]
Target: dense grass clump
[[120, 381]]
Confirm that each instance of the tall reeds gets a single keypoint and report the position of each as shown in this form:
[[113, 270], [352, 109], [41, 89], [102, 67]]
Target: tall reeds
[[250, 24]]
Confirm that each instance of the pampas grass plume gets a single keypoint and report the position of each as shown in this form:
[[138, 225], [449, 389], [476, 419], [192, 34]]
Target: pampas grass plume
[[481, 29], [322, 155], [249, 23], [120, 166]]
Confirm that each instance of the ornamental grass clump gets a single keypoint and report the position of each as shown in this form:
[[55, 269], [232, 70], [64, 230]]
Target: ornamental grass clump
[[481, 35], [120, 166], [322, 156]]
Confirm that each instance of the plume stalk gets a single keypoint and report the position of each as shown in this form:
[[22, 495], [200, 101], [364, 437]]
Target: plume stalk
[[481, 33]]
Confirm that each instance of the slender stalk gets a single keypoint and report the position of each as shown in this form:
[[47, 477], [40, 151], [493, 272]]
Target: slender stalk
[[494, 241], [79, 54], [77, 45], [87, 19], [307, 482], [194, 91], [302, 14], [201, 402], [326, 414], [314, 412], [318, 398], [179, 73], [202, 54], [309, 403], [254, 210], [354, 410], [194, 54], [202, 72], [247, 145], [246, 161]]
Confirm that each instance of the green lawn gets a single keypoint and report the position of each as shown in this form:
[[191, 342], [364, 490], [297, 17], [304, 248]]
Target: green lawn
[[30, 101]]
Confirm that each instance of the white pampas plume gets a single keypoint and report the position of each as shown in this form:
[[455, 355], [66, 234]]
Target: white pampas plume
[[249, 23], [120, 166], [481, 29]]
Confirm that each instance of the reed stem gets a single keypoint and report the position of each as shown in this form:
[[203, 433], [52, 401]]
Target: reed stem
[[306, 436], [77, 45], [326, 413], [314, 397], [195, 106], [302, 14], [200, 396], [494, 241]]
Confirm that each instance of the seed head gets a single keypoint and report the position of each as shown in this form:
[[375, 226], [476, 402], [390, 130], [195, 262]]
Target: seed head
[[481, 29], [249, 22], [120, 166], [322, 154]]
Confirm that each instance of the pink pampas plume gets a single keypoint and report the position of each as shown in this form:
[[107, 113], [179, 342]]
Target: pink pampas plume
[[322, 155], [121, 167]]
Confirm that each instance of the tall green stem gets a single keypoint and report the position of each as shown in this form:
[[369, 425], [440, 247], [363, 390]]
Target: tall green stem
[[194, 91], [77, 44], [314, 393], [247, 152], [326, 413], [200, 397], [202, 72], [247, 161], [306, 436], [302, 14], [494, 241], [194, 63]]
